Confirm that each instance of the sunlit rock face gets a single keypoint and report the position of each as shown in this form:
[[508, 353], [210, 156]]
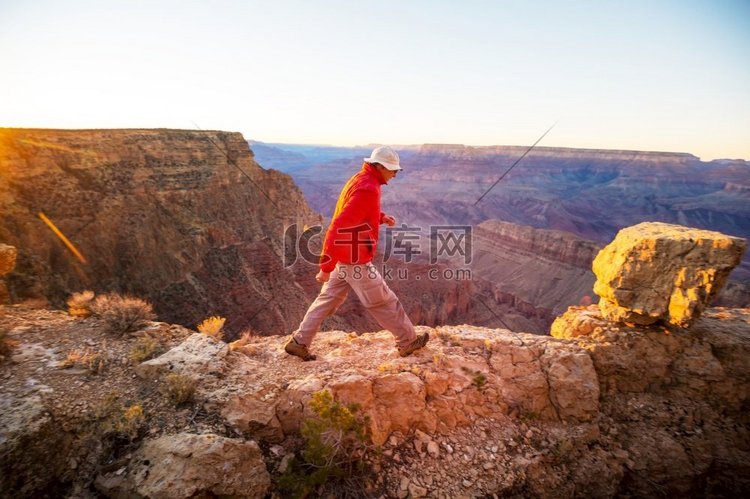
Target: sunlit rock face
[[163, 214], [654, 271]]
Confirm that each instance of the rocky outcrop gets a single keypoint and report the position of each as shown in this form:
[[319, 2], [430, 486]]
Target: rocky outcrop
[[693, 382], [469, 372], [192, 357], [7, 264], [707, 362], [600, 410], [27, 430], [184, 218], [655, 271], [188, 465]]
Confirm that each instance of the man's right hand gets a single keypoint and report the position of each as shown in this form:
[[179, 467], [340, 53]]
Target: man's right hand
[[322, 277]]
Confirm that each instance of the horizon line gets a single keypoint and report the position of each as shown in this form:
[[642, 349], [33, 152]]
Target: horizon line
[[393, 144]]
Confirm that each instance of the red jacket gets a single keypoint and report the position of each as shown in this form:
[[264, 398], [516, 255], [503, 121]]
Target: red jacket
[[352, 237]]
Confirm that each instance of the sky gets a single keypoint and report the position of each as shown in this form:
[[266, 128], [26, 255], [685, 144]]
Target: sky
[[655, 75]]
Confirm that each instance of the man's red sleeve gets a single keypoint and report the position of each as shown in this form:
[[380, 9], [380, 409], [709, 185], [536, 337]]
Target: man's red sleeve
[[352, 215]]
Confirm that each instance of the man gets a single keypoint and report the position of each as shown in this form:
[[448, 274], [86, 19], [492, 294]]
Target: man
[[346, 262]]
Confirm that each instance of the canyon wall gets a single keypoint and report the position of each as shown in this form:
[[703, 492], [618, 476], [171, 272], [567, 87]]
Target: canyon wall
[[587, 192], [163, 214]]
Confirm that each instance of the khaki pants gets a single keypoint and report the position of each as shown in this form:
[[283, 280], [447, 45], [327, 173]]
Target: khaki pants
[[371, 290]]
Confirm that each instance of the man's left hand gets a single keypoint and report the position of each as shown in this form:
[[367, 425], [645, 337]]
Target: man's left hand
[[389, 220]]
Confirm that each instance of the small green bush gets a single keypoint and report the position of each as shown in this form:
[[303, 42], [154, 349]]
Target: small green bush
[[335, 443], [122, 314], [479, 380]]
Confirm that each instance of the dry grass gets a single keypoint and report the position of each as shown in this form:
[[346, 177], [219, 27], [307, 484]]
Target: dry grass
[[179, 388], [79, 304], [92, 361], [245, 339], [117, 418], [122, 314], [131, 421], [213, 327], [146, 347]]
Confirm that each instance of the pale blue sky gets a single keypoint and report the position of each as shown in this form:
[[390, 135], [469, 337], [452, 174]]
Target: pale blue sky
[[648, 75]]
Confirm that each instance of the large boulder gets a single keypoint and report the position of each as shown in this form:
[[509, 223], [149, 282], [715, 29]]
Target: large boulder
[[188, 465], [253, 417], [198, 354], [656, 271], [27, 433]]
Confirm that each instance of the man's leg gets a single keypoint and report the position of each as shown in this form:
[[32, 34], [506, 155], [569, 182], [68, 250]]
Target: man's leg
[[381, 302], [332, 295]]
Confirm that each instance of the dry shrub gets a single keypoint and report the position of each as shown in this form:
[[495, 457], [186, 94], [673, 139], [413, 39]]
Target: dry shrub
[[246, 338], [146, 347], [79, 304], [180, 388], [92, 361], [6, 344], [119, 420], [122, 314], [212, 327], [131, 422]]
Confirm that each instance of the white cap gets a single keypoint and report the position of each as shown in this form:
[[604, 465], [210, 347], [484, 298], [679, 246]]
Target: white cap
[[386, 157]]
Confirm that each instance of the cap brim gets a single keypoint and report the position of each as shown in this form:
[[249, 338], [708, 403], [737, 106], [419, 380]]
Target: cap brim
[[389, 166]]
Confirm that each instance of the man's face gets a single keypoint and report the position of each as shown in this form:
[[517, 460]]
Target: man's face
[[387, 174]]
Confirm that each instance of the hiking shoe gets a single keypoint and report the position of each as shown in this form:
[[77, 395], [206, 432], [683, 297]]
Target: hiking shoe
[[415, 345], [301, 351]]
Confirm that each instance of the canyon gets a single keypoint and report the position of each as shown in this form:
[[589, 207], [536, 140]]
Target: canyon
[[189, 220], [584, 195]]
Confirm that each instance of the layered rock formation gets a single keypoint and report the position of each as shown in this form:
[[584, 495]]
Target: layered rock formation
[[654, 271], [163, 214], [590, 193], [547, 268]]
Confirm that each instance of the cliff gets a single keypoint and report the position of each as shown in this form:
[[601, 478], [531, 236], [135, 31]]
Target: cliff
[[162, 214]]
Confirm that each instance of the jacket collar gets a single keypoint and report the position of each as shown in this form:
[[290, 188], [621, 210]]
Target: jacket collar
[[367, 167]]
